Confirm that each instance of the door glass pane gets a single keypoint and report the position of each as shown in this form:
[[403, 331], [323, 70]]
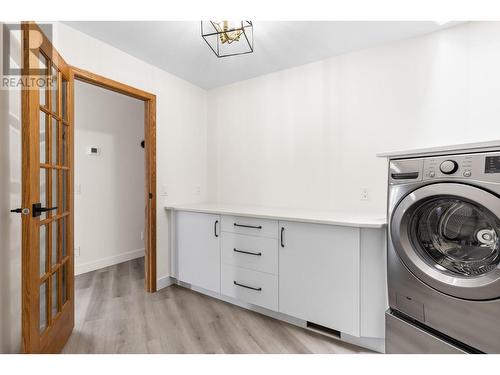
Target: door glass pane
[[64, 243], [43, 307], [43, 91], [43, 143], [64, 283], [64, 99], [64, 138], [54, 190], [54, 225], [55, 290], [54, 90], [64, 191], [456, 236], [43, 190], [55, 143], [43, 249]]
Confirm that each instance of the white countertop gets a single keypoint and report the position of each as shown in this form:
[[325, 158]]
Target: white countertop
[[307, 216], [483, 146]]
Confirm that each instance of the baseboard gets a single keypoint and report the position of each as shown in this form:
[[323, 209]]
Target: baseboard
[[164, 282], [109, 261]]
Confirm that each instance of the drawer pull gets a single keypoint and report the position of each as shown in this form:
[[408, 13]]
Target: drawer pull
[[247, 252], [215, 228], [246, 286], [248, 226]]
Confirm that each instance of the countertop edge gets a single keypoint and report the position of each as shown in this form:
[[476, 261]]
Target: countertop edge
[[442, 150], [296, 218]]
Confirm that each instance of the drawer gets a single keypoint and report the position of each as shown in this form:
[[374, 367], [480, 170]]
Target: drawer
[[253, 287], [250, 225], [255, 253]]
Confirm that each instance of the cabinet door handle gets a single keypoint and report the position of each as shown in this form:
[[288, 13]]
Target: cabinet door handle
[[282, 239], [246, 286], [248, 226], [247, 252], [215, 228]]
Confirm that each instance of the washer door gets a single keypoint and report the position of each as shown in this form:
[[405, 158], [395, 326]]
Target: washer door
[[448, 235]]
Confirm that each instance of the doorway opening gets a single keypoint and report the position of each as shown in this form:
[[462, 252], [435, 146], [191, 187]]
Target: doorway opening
[[149, 166]]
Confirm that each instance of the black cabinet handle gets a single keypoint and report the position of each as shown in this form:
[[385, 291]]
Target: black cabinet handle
[[246, 286], [215, 228], [248, 226], [282, 237], [38, 209], [247, 252]]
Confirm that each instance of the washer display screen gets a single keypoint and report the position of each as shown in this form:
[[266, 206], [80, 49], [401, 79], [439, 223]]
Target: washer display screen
[[492, 164]]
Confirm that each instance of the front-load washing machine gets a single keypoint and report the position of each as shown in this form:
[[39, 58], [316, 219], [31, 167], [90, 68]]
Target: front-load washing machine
[[444, 254]]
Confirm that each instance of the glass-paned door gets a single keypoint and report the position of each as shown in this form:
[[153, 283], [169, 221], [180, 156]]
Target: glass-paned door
[[48, 306]]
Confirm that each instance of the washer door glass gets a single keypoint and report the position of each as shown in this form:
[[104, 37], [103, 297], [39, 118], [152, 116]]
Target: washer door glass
[[456, 237]]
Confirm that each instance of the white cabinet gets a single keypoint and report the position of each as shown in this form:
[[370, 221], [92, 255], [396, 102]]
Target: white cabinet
[[251, 252], [253, 226], [327, 274], [257, 288], [319, 274], [198, 249]]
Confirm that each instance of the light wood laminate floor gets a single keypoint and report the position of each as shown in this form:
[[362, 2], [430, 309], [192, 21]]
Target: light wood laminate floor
[[113, 314]]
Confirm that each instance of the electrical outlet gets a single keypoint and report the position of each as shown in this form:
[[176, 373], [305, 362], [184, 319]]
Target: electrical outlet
[[78, 188], [198, 190], [77, 251], [364, 194], [142, 236]]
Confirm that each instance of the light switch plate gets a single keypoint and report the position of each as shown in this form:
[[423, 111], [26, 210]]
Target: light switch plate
[[164, 190]]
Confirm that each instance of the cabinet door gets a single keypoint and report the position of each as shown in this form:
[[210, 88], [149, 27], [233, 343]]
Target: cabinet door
[[198, 249], [319, 274]]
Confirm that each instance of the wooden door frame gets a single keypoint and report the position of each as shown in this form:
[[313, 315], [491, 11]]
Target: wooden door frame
[[150, 160]]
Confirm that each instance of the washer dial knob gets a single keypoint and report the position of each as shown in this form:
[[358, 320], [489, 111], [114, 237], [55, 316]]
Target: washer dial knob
[[449, 166]]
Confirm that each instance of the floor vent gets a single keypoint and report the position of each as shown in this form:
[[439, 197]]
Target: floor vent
[[323, 330]]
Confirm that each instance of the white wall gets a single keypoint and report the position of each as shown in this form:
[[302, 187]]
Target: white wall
[[109, 200], [307, 137], [10, 224], [181, 123]]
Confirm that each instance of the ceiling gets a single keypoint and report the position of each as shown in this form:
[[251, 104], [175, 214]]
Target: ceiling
[[178, 48]]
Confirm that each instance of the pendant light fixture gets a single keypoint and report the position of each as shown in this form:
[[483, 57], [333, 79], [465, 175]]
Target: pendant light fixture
[[228, 38]]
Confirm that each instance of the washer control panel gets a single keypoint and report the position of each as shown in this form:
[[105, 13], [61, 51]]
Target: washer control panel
[[481, 166]]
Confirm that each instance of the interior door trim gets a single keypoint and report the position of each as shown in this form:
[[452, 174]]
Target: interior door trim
[[150, 160], [478, 288]]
